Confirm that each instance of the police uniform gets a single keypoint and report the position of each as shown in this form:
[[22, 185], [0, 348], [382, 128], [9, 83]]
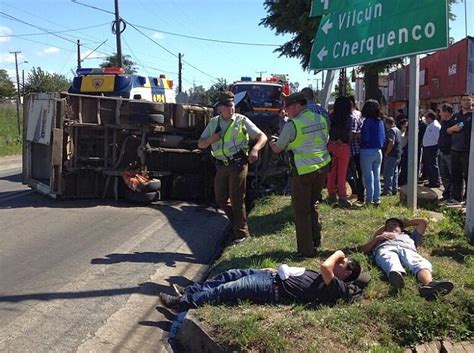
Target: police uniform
[[305, 137], [230, 154]]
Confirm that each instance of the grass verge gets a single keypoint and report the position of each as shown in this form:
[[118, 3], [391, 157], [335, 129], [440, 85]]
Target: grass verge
[[10, 140], [382, 321]]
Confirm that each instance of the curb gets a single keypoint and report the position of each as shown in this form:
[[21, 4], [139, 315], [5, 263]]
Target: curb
[[442, 346], [192, 338]]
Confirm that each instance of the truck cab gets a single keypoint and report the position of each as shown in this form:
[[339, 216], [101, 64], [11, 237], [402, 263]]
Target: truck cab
[[113, 82]]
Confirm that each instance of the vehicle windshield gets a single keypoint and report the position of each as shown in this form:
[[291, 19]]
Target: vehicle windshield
[[261, 96]]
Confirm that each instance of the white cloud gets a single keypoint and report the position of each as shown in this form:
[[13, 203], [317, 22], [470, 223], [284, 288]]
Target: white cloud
[[10, 58], [5, 31], [48, 51], [158, 35]]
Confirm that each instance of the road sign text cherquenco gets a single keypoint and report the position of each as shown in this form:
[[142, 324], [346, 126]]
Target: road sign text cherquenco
[[378, 30]]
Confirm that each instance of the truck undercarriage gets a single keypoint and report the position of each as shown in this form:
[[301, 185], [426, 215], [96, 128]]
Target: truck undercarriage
[[80, 146]]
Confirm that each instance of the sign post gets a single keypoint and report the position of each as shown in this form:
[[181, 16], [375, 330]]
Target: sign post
[[412, 191], [365, 31]]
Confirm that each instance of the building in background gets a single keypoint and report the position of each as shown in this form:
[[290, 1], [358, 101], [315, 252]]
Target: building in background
[[444, 77]]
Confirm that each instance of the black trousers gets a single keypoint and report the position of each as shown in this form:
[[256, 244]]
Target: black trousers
[[459, 170], [355, 177]]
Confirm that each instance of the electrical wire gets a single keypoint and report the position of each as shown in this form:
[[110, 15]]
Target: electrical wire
[[208, 39], [92, 7], [52, 32], [214, 79]]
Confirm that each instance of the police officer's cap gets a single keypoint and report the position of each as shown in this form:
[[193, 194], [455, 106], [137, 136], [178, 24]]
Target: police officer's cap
[[295, 98], [225, 98]]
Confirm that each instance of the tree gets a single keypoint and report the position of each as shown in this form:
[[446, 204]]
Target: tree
[[198, 95], [7, 88], [41, 81], [216, 88], [128, 64], [292, 17]]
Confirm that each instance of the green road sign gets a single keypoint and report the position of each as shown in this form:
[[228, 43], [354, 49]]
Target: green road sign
[[379, 30], [323, 7]]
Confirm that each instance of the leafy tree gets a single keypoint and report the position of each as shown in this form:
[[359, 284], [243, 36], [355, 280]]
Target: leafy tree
[[292, 17], [219, 86], [198, 95], [128, 64], [42, 81], [7, 88]]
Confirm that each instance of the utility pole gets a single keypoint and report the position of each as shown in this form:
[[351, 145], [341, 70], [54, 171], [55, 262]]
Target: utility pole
[[18, 90], [23, 83], [117, 34], [180, 69], [78, 54], [260, 73]]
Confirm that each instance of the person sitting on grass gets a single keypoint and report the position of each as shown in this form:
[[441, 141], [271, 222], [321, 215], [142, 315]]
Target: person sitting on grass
[[286, 283], [393, 248]]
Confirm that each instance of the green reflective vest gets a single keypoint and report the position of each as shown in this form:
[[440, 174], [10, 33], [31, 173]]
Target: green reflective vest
[[309, 148], [233, 140]]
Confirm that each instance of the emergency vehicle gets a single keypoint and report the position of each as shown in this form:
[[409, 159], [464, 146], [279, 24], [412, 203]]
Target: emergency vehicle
[[112, 81], [266, 94]]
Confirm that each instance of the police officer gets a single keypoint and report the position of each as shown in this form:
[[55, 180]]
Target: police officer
[[228, 135], [305, 136]]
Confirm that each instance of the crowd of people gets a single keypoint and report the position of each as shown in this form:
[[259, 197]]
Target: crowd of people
[[329, 150]]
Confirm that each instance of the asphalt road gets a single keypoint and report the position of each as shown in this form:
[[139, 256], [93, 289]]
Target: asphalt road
[[83, 275]]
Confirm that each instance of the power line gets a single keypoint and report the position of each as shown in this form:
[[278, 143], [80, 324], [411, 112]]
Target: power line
[[208, 39], [52, 32], [92, 7], [43, 29], [214, 79]]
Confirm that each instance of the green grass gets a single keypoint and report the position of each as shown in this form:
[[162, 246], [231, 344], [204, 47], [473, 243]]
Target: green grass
[[382, 321], [10, 140]]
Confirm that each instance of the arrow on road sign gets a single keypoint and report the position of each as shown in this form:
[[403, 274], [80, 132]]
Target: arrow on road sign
[[327, 26], [322, 53]]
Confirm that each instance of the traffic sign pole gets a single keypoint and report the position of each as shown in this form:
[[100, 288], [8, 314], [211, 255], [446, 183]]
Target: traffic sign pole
[[413, 102]]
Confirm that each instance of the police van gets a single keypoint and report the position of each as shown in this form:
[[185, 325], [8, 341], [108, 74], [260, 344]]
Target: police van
[[112, 81]]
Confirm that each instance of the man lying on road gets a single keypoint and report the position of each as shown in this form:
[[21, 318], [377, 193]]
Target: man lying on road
[[275, 286], [393, 248]]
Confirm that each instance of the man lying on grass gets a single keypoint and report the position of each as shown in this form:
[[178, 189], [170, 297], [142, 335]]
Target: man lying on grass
[[393, 248], [296, 284]]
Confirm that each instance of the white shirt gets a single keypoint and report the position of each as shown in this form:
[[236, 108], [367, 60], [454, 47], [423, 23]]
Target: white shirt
[[285, 271], [431, 136]]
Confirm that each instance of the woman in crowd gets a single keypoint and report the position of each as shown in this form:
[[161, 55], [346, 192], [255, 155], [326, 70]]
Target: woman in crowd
[[372, 141], [340, 122]]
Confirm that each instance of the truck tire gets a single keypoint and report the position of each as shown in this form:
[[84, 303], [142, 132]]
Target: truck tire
[[157, 118], [141, 107]]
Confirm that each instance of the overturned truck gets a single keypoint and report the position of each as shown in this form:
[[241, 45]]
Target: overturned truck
[[85, 146]]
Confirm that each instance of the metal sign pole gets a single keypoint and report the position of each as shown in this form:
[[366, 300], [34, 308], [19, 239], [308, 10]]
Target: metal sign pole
[[327, 88], [469, 228], [413, 132]]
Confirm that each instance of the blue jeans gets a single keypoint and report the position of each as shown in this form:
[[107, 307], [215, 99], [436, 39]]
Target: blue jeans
[[390, 175], [430, 160], [231, 286], [370, 162], [396, 258]]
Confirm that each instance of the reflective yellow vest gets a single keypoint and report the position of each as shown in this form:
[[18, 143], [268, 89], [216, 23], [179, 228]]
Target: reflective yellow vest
[[310, 144], [234, 139]]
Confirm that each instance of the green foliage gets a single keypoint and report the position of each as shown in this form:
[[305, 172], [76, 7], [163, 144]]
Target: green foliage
[[214, 90], [7, 88], [127, 63], [292, 17], [42, 81], [198, 95], [10, 140], [383, 321]]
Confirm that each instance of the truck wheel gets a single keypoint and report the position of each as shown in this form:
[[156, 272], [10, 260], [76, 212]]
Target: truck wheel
[[146, 107], [157, 118]]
